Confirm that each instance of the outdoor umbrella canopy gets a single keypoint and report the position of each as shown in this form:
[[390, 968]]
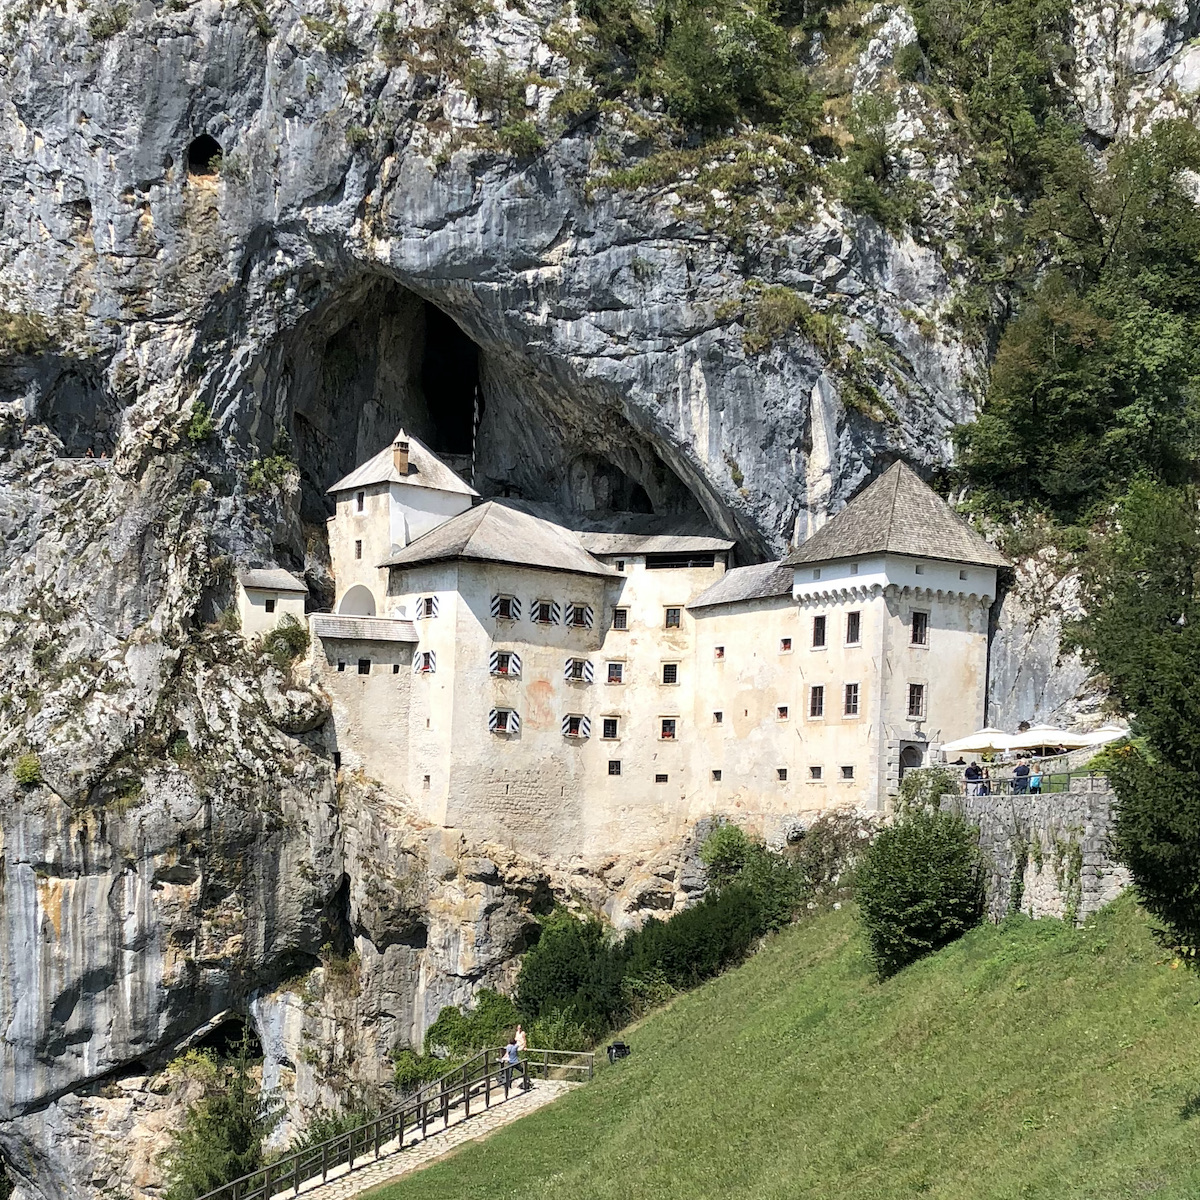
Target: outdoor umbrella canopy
[[1107, 733], [982, 741], [1048, 735]]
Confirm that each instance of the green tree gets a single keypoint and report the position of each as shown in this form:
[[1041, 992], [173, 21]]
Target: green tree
[[919, 887], [223, 1134]]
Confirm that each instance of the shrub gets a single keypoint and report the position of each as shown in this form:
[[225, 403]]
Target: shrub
[[109, 21], [557, 1031], [919, 887], [356, 136], [325, 1124], [724, 853], [488, 1024], [201, 425], [521, 139], [412, 1069], [285, 643], [22, 333], [28, 770], [909, 61]]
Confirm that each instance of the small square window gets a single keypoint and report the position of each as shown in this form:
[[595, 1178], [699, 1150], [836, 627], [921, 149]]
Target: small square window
[[504, 608], [543, 612], [920, 629], [850, 707], [816, 701], [269, 604], [816, 572], [854, 568], [785, 645], [620, 618], [781, 712], [358, 548], [502, 716], [610, 727], [660, 779], [425, 782], [576, 669], [781, 772], [395, 668], [916, 699], [503, 662], [718, 653], [668, 729], [614, 766], [716, 775], [579, 616], [341, 665], [359, 500], [818, 633], [919, 569], [672, 619], [616, 672], [718, 717], [815, 772], [847, 772], [670, 672], [962, 574], [853, 628], [364, 666], [620, 564], [574, 726]]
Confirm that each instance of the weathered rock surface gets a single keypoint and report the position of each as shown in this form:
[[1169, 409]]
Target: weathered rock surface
[[190, 853]]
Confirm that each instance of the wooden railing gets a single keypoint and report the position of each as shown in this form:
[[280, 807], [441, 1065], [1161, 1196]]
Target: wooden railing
[[477, 1077]]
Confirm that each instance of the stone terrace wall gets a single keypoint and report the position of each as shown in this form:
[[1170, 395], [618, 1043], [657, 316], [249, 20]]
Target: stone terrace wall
[[1049, 856]]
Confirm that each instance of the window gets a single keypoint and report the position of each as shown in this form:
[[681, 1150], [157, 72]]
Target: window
[[781, 772], [504, 720], [574, 726], [847, 772], [660, 779], [816, 572], [818, 640], [916, 699], [620, 618], [672, 619], [578, 670], [425, 662], [616, 672], [816, 701], [337, 760], [962, 574], [269, 604], [358, 548], [610, 728], [505, 662], [427, 606], [395, 668], [545, 612], [718, 717], [620, 564], [359, 501], [614, 766], [579, 616], [920, 629], [850, 707], [575, 668], [785, 645], [341, 665], [504, 608], [666, 562], [919, 569], [854, 568], [815, 772], [853, 628], [668, 729], [425, 782], [670, 672], [718, 653], [781, 712], [364, 666]]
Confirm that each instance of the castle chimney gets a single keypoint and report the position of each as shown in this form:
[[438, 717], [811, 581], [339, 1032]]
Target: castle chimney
[[400, 456]]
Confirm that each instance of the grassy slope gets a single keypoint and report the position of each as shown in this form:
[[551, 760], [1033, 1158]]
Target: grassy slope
[[1028, 1060]]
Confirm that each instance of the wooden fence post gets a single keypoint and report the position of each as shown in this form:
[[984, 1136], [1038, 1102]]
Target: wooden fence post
[[487, 1081]]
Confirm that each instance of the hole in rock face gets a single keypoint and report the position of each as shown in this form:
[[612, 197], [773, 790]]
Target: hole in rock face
[[203, 155], [225, 1039], [70, 399], [449, 379]]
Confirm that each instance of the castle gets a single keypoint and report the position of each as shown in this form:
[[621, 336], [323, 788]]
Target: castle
[[602, 685]]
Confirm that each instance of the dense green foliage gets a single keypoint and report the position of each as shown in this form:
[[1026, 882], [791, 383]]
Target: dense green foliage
[[919, 886], [1143, 632], [285, 643], [27, 770], [1029, 1061], [460, 1034], [222, 1136]]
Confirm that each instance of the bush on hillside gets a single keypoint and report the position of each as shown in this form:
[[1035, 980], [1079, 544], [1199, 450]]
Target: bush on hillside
[[286, 642], [919, 887], [461, 1034]]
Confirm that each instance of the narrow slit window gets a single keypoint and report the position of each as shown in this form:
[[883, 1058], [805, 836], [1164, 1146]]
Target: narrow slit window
[[360, 499], [358, 548], [718, 717], [395, 668]]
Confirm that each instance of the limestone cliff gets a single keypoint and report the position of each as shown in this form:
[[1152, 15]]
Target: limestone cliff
[[236, 241]]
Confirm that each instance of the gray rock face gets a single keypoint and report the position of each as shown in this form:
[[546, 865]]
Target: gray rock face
[[355, 262]]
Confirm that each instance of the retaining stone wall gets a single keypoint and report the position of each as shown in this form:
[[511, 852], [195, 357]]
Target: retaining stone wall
[[1048, 856]]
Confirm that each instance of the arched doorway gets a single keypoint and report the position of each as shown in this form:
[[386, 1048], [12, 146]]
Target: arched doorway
[[911, 757], [358, 602]]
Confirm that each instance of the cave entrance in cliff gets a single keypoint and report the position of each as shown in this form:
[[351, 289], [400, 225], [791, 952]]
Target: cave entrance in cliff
[[225, 1039], [450, 381]]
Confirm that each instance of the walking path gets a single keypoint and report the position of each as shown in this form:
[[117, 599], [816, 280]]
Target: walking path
[[418, 1151]]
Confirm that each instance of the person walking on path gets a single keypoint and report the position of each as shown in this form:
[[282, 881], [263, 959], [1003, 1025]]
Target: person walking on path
[[1021, 778], [521, 1040], [510, 1061], [973, 775]]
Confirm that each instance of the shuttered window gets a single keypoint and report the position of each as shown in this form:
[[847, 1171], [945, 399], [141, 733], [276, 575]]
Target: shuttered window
[[505, 662], [504, 720], [506, 608], [578, 670], [545, 612], [425, 662], [576, 726], [580, 616], [427, 606]]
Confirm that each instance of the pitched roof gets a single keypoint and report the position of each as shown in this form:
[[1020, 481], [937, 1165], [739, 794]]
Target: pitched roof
[[363, 629], [272, 579], [747, 583], [425, 469], [502, 531], [899, 514], [650, 543]]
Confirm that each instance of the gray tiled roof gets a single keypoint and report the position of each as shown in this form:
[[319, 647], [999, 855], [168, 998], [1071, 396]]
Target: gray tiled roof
[[272, 579], [500, 531], [363, 629], [899, 514], [425, 469], [650, 543], [747, 583]]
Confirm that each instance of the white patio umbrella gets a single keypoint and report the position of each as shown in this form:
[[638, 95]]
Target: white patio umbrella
[[1039, 736], [1106, 733], [982, 741]]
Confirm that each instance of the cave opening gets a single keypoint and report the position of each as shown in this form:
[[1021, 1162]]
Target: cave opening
[[450, 382], [203, 155], [225, 1039]]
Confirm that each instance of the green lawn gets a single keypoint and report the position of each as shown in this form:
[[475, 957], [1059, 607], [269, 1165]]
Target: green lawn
[[1029, 1060]]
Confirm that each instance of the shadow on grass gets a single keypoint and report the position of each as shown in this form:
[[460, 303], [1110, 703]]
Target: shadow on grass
[[1190, 1107]]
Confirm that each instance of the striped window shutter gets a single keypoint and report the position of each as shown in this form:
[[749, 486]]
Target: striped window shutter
[[516, 609], [585, 727], [514, 722], [555, 612], [495, 606], [588, 616], [589, 672], [567, 668], [432, 654], [514, 663], [566, 725], [433, 600], [418, 659], [570, 614], [493, 721], [494, 661]]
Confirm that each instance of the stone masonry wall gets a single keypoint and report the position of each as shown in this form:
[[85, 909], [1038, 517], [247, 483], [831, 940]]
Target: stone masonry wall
[[1048, 855]]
